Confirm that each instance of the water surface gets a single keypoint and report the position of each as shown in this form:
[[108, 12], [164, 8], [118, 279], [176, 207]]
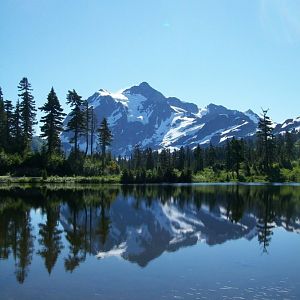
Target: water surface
[[150, 242]]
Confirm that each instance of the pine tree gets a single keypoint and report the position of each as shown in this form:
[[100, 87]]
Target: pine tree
[[17, 130], [105, 139], [198, 157], [237, 154], [137, 157], [76, 122], [149, 159], [265, 140], [2, 122], [87, 125], [93, 127], [290, 146], [211, 155], [52, 122], [228, 156], [27, 112], [181, 159], [9, 125]]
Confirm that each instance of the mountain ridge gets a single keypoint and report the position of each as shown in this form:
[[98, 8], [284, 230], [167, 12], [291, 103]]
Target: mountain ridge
[[141, 115]]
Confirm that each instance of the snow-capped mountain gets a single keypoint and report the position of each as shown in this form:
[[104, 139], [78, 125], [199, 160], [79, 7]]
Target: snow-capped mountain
[[288, 125], [142, 115]]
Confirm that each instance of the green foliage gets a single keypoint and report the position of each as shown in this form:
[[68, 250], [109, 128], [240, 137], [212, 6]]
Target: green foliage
[[27, 112], [92, 167], [5, 163], [2, 122], [265, 141], [76, 122], [52, 122]]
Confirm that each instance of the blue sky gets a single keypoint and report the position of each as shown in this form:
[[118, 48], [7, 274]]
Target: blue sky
[[241, 54]]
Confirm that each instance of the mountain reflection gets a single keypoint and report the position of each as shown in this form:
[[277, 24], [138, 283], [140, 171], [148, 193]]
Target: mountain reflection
[[137, 223]]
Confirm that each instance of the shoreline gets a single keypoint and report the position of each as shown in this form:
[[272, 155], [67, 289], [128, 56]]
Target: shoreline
[[116, 180]]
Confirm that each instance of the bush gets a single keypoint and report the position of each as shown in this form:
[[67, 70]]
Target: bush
[[5, 163]]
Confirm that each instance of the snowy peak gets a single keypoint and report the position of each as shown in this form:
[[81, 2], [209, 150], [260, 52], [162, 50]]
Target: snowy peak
[[288, 125], [253, 116], [145, 90]]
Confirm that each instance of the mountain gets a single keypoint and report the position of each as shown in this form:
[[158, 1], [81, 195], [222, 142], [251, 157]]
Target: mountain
[[142, 115], [287, 125]]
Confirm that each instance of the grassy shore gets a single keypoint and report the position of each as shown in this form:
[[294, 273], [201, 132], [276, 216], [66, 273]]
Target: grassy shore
[[207, 175], [57, 179]]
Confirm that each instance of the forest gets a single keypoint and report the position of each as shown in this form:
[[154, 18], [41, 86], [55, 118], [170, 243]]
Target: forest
[[263, 158]]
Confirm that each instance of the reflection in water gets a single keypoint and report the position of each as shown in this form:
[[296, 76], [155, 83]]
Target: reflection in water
[[137, 223], [50, 236]]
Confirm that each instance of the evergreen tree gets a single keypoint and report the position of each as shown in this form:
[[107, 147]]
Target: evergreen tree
[[289, 148], [52, 122], [211, 155], [181, 159], [88, 124], [137, 157], [76, 121], [2, 122], [198, 157], [265, 140], [9, 125], [17, 130], [149, 159], [105, 138], [228, 156], [163, 160], [93, 127], [237, 154], [27, 112]]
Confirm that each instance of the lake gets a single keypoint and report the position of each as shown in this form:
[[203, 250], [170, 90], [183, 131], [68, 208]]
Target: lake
[[150, 242]]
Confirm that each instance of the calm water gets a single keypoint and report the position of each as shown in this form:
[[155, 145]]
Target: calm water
[[154, 242]]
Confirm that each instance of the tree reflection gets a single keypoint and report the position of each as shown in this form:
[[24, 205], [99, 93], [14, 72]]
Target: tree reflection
[[86, 216], [50, 238], [23, 246], [104, 224], [75, 237], [265, 224]]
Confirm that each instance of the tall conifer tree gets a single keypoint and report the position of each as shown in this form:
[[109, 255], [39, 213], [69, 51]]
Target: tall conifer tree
[[105, 138], [2, 122], [52, 122], [265, 140], [17, 130], [76, 121], [27, 111], [9, 125]]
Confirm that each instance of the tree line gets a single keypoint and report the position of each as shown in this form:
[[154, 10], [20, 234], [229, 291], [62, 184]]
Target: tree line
[[17, 129], [262, 156]]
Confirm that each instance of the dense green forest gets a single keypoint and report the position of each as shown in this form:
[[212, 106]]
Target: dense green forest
[[265, 157]]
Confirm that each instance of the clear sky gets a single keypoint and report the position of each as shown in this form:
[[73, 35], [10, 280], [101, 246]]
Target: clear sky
[[238, 53]]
